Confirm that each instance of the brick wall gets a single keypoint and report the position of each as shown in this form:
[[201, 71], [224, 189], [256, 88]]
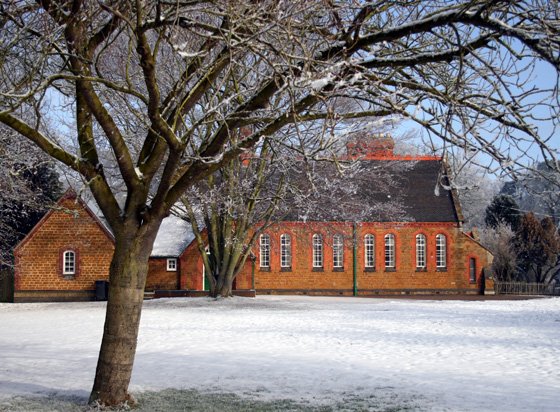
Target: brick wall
[[38, 259], [405, 277], [69, 227], [192, 270], [161, 278]]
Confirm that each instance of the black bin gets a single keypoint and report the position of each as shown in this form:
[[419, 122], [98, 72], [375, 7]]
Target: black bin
[[101, 290]]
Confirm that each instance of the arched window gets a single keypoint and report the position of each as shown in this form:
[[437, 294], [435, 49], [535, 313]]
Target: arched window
[[338, 251], [420, 251], [441, 251], [369, 251], [265, 251], [317, 251], [390, 251], [69, 262], [285, 251]]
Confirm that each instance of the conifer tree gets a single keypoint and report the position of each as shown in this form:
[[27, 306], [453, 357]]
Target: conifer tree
[[502, 210], [29, 185]]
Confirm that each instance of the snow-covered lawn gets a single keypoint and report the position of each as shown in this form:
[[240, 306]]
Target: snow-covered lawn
[[425, 355]]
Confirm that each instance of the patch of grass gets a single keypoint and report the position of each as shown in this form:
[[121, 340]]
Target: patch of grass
[[48, 403], [176, 400]]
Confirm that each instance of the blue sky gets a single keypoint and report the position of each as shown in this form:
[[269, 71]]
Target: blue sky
[[544, 77]]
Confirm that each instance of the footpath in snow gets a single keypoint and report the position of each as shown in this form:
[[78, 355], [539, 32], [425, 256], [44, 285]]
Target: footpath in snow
[[426, 355]]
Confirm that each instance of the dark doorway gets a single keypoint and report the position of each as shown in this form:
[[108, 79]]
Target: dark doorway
[[6, 284]]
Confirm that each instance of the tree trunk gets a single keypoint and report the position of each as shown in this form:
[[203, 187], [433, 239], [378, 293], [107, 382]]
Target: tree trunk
[[226, 289], [127, 278], [223, 287]]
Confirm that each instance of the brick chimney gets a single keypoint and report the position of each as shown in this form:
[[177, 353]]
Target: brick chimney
[[367, 147], [245, 132]]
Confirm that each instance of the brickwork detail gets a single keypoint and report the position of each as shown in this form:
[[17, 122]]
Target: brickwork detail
[[405, 276], [72, 227], [191, 277], [159, 277], [69, 227]]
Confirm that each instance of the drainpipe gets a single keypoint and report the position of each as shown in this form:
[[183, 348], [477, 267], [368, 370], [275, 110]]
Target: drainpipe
[[355, 257], [253, 260]]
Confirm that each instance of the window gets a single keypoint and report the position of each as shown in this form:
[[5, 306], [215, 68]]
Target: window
[[338, 251], [285, 251], [420, 251], [69, 262], [265, 251], [317, 251], [390, 251], [441, 251], [172, 265], [472, 270], [369, 251]]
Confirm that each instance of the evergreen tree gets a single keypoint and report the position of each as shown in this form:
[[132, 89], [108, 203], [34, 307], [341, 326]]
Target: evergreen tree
[[502, 210], [29, 185]]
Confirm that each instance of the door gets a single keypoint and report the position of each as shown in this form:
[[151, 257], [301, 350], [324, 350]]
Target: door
[[205, 283]]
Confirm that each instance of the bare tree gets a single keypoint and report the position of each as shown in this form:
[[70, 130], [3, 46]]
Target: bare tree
[[475, 186], [231, 208], [227, 206], [148, 81], [499, 240]]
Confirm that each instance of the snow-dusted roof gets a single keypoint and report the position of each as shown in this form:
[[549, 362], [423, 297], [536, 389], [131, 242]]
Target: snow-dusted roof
[[173, 237]]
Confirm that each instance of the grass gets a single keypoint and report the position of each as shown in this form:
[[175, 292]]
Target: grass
[[170, 400]]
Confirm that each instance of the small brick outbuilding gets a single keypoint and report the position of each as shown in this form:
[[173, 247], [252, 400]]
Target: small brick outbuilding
[[65, 253], [71, 248]]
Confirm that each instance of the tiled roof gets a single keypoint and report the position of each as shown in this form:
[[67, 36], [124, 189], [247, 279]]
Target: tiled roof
[[386, 190], [424, 198]]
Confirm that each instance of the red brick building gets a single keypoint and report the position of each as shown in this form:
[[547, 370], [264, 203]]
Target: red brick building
[[426, 252], [71, 248], [65, 253]]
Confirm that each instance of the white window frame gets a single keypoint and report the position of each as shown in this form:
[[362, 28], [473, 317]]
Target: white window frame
[[172, 264], [317, 250], [390, 256], [369, 250], [69, 263], [264, 244], [285, 250], [420, 251], [338, 251], [441, 251]]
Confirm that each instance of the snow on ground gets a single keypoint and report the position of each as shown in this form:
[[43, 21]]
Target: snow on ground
[[433, 355]]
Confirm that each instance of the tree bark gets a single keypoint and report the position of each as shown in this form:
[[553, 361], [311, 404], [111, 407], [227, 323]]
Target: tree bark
[[226, 289], [127, 278]]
